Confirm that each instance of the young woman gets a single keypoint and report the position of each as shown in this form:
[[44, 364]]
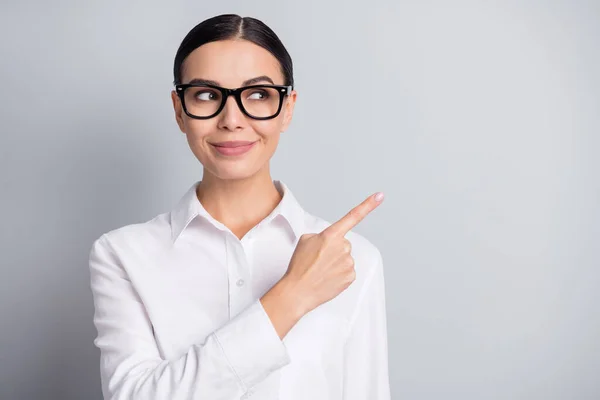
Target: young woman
[[238, 291]]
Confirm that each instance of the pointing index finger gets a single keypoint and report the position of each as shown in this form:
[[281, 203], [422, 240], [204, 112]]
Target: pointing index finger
[[352, 218]]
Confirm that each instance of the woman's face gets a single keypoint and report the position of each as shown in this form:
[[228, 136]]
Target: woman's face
[[231, 63]]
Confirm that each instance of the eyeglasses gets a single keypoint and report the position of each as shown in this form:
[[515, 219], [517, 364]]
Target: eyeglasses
[[204, 101]]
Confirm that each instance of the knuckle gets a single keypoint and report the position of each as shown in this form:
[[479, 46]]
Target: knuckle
[[326, 237], [352, 276], [349, 263], [347, 246]]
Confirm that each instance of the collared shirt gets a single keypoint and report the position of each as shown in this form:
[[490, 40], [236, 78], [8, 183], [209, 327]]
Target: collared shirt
[[178, 315]]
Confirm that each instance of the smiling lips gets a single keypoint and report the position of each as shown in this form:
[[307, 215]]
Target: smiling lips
[[233, 148]]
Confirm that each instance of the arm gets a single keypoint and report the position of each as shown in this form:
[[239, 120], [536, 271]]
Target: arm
[[233, 358], [366, 351]]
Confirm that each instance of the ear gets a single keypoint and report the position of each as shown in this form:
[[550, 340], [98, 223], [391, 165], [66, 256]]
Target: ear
[[178, 110], [288, 110]]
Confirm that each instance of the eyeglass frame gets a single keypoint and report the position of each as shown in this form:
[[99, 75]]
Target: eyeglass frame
[[283, 90]]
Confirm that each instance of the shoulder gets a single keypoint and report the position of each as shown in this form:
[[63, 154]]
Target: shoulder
[[137, 238]]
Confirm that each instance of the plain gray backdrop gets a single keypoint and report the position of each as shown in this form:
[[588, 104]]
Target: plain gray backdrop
[[479, 121]]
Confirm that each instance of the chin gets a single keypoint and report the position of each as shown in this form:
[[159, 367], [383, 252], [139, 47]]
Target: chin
[[234, 171]]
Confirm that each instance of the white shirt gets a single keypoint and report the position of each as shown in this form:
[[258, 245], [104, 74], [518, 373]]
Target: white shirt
[[178, 314]]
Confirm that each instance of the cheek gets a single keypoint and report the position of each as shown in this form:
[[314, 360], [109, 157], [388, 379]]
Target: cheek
[[197, 129], [268, 130], [196, 132]]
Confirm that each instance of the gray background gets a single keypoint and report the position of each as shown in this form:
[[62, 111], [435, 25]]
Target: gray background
[[478, 120]]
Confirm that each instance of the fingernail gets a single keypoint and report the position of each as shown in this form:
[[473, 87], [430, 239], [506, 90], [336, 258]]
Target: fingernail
[[379, 196]]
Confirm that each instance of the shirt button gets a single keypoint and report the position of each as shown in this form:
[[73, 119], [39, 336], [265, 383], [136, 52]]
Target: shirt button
[[240, 282]]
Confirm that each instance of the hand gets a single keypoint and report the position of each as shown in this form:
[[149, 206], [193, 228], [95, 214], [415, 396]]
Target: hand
[[321, 266]]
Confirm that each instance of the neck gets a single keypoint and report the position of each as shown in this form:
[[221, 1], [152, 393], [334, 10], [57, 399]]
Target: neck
[[239, 204]]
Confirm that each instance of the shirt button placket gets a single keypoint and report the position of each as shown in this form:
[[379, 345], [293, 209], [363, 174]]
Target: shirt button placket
[[245, 276], [240, 290]]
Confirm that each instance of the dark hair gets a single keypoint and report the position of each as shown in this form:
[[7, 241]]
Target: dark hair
[[232, 26]]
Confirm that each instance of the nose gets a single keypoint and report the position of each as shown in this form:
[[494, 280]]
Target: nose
[[231, 117]]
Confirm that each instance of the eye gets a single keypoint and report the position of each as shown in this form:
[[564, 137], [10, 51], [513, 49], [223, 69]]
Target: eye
[[258, 95], [206, 95]]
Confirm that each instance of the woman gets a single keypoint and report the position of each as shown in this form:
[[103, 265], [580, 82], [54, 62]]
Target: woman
[[238, 291]]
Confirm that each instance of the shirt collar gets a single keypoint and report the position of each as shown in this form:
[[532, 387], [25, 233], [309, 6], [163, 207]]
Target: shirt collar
[[189, 207]]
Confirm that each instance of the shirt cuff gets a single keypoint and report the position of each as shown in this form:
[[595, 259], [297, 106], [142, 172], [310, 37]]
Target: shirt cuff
[[252, 346]]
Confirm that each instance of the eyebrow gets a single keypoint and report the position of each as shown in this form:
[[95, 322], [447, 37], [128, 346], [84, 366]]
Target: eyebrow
[[248, 82]]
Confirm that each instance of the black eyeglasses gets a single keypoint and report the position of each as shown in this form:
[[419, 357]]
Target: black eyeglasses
[[204, 101]]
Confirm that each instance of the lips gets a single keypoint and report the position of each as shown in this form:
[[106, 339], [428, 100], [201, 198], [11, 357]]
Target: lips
[[233, 148], [233, 144]]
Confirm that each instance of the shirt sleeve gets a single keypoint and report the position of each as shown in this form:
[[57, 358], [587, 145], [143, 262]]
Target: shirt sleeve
[[233, 359], [366, 347]]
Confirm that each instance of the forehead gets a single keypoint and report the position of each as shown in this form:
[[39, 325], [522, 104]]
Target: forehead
[[231, 62]]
